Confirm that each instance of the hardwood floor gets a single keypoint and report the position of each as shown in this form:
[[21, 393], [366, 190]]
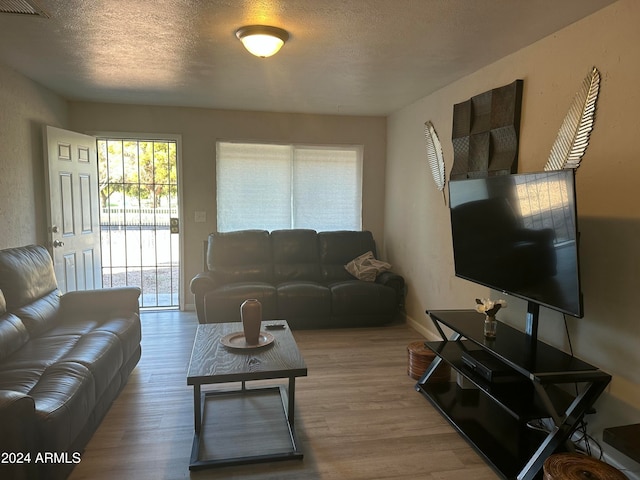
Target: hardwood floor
[[357, 414]]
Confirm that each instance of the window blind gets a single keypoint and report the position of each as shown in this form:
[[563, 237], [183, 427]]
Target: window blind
[[274, 187]]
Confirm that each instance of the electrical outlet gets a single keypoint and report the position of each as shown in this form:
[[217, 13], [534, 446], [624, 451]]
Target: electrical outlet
[[200, 217]]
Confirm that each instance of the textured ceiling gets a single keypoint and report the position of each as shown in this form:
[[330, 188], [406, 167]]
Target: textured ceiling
[[363, 57]]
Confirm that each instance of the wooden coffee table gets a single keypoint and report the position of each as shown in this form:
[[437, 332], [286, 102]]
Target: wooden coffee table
[[243, 425]]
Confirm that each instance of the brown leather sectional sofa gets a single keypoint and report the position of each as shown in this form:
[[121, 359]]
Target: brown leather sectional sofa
[[63, 360], [298, 275]]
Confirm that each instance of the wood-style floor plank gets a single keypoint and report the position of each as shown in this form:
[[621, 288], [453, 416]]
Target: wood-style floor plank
[[358, 415]]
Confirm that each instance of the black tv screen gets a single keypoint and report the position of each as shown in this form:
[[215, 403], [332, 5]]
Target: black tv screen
[[518, 234]]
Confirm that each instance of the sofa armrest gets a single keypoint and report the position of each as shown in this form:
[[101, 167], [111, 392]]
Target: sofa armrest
[[18, 436], [17, 422], [394, 281], [108, 300], [200, 285], [203, 283], [16, 403]]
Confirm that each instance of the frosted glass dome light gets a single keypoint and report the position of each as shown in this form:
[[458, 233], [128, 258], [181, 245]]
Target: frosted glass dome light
[[261, 40]]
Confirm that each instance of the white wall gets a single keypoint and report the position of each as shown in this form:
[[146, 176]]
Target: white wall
[[417, 226], [25, 107]]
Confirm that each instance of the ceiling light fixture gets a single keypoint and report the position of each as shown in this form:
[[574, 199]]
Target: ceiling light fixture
[[261, 40]]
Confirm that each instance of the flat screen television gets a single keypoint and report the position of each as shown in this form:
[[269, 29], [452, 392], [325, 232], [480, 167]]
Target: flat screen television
[[518, 234]]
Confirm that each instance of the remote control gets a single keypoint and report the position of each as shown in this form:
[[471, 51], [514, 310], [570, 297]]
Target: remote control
[[274, 326]]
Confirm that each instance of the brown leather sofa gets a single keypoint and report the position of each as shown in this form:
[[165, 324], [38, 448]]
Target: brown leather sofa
[[63, 360], [298, 275]]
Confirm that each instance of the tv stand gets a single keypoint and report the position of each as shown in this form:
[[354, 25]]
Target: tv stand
[[495, 416]]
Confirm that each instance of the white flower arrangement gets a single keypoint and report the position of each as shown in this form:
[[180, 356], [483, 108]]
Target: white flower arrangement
[[489, 307]]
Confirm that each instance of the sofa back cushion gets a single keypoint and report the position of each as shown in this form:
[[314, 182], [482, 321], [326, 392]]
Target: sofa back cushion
[[41, 314], [13, 333], [295, 255], [242, 256], [339, 248], [26, 274]]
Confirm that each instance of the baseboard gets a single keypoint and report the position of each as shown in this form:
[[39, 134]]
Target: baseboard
[[422, 329], [631, 474], [617, 460]]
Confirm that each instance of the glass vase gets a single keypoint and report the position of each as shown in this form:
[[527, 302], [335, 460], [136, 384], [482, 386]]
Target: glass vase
[[490, 326]]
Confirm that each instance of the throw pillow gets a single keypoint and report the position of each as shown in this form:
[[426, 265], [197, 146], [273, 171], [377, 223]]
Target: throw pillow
[[366, 267]]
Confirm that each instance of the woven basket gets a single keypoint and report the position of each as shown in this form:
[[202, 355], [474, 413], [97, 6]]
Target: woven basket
[[420, 357], [574, 466]]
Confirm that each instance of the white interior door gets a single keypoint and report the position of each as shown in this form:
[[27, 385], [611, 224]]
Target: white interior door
[[73, 208]]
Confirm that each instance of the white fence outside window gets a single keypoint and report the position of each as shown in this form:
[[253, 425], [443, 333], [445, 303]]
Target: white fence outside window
[[137, 216]]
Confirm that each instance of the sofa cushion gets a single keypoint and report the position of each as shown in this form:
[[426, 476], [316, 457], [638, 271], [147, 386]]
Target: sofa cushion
[[105, 343], [101, 353], [127, 331], [223, 304], [20, 380], [64, 394], [303, 299], [339, 248], [64, 398], [35, 357], [26, 274], [243, 256], [355, 297], [295, 255]]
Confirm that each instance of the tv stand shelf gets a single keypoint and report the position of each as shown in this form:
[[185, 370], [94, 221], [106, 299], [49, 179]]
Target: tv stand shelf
[[493, 416], [519, 402]]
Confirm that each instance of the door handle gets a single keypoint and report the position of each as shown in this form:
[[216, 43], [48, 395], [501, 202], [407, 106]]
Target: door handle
[[57, 243]]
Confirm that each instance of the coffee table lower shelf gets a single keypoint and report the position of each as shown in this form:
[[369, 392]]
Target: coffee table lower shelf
[[242, 427]]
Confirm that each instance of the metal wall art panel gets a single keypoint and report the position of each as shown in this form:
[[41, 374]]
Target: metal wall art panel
[[486, 131]]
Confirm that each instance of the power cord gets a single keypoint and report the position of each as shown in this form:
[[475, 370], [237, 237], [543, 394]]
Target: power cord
[[566, 329], [539, 425], [580, 438], [585, 442]]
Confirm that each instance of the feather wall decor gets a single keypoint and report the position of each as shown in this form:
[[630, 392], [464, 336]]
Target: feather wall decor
[[434, 157], [573, 138]]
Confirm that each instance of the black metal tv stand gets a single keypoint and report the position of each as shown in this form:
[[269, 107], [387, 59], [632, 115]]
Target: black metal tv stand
[[496, 417]]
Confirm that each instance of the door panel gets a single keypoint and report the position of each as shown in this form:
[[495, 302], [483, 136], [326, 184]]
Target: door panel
[[65, 204], [73, 208], [86, 193], [89, 268], [70, 279]]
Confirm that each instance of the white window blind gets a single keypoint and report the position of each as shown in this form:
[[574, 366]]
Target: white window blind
[[274, 187]]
